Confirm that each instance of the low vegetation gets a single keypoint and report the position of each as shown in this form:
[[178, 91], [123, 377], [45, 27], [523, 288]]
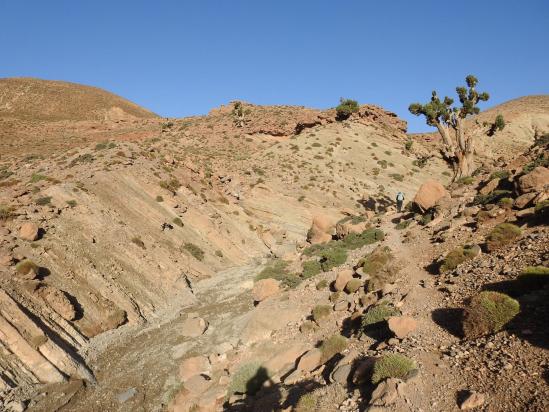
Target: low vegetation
[[534, 277], [487, 313], [278, 270], [26, 266], [345, 108], [194, 250], [492, 197], [392, 365], [332, 346], [381, 266], [378, 313], [502, 235], [457, 256], [321, 312], [311, 268], [248, 379]]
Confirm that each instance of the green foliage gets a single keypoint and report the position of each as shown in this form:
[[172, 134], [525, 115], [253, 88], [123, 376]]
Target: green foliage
[[311, 268], [500, 174], [71, 203], [357, 240], [534, 277], [403, 224], [101, 146], [332, 258], [491, 197], [498, 125], [159, 198], [353, 285], [502, 235], [278, 271], [36, 177], [248, 378], [542, 208], [345, 108], [378, 313], [172, 185], [467, 180], [177, 221], [541, 160], [43, 201], [321, 312], [487, 313], [26, 266], [506, 202], [6, 212], [397, 176], [392, 365], [194, 250], [323, 284], [219, 253], [457, 256], [408, 145], [332, 346]]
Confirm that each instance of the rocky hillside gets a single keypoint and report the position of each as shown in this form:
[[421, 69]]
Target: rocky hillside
[[137, 245]]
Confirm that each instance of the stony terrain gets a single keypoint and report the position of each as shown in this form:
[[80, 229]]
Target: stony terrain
[[216, 262]]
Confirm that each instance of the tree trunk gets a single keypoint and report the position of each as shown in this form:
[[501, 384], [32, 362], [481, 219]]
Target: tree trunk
[[464, 164]]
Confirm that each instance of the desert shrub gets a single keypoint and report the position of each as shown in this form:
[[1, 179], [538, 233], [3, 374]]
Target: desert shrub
[[194, 250], [5, 173], [392, 365], [397, 176], [248, 378], [219, 253], [541, 160], [500, 174], [487, 313], [71, 203], [42, 201], [332, 346], [467, 180], [506, 202], [403, 224], [172, 185], [380, 265], [408, 145], [137, 240], [159, 198], [321, 312], [85, 158], [331, 258], [542, 208], [426, 219], [353, 285], [457, 256], [278, 270], [502, 235], [534, 277], [491, 197], [177, 221], [322, 399], [311, 268], [345, 108], [36, 177], [323, 284], [26, 266], [357, 240], [378, 313], [101, 146], [6, 212]]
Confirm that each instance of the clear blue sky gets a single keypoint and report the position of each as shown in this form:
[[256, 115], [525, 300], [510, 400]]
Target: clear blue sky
[[180, 58]]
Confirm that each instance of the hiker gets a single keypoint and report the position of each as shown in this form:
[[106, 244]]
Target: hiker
[[400, 201]]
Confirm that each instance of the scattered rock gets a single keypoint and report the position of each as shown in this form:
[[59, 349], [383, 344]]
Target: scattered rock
[[126, 395], [342, 278], [473, 400], [535, 181], [265, 288], [29, 231], [194, 327], [401, 326]]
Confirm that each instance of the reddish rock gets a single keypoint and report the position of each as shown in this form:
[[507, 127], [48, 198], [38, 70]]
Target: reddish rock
[[265, 288], [193, 366], [535, 181], [429, 194], [194, 327], [310, 361], [489, 187], [321, 230], [58, 301], [342, 278], [524, 200], [473, 400], [402, 326], [29, 231]]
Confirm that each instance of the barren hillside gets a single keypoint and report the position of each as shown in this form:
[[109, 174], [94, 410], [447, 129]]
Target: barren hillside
[[132, 251]]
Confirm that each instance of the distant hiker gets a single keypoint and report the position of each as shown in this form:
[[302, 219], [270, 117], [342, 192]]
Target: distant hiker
[[166, 226], [400, 201]]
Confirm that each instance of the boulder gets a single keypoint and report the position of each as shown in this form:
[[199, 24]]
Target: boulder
[[321, 230], [524, 200], [193, 327], [535, 181], [197, 384], [195, 365], [29, 231], [265, 288], [341, 374], [310, 361], [429, 194], [489, 187], [58, 301], [402, 326], [387, 392], [472, 401], [342, 278], [345, 228], [285, 357]]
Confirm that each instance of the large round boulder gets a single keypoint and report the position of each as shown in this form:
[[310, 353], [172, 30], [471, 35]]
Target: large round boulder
[[535, 181], [429, 194]]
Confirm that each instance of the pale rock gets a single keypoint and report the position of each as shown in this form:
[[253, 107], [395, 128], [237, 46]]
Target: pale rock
[[29, 231], [265, 288], [342, 278], [195, 365], [310, 361], [194, 327], [473, 400]]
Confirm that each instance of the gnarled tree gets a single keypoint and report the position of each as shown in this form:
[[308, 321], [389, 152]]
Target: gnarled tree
[[457, 146]]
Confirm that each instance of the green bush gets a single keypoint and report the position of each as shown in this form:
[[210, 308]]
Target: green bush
[[311, 268], [332, 258], [403, 224], [172, 185], [26, 266], [322, 399], [332, 346], [71, 203], [487, 313], [506, 202], [491, 197], [159, 198], [408, 145], [321, 312], [6, 212], [534, 277], [392, 366], [248, 379], [467, 180], [500, 174], [194, 250], [542, 208], [502, 235], [541, 160], [345, 108], [353, 285], [177, 221], [457, 256], [357, 240], [323, 284], [36, 177], [278, 270], [378, 313], [43, 201]]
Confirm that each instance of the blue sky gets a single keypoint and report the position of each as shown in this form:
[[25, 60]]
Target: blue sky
[[180, 58]]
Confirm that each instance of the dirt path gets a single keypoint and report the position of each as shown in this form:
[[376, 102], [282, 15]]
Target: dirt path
[[428, 392]]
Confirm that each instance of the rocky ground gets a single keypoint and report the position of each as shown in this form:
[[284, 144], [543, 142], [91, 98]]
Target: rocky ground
[[255, 261]]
